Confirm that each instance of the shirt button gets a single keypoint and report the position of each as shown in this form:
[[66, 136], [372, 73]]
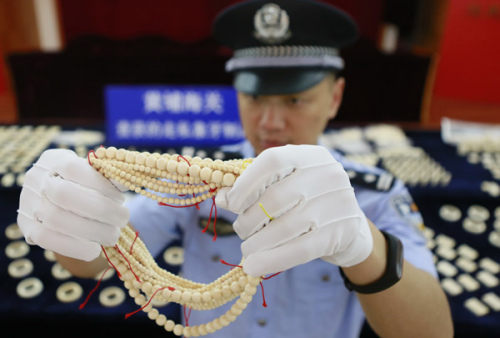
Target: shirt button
[[325, 278], [215, 258], [369, 178], [351, 174], [262, 322]]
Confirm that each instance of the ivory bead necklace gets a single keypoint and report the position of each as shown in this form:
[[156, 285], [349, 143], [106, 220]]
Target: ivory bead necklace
[[196, 179]]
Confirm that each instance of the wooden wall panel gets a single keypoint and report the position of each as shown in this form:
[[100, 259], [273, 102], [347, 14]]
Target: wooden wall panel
[[185, 21]]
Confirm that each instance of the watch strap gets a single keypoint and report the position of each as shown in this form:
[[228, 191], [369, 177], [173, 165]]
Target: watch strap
[[393, 271]]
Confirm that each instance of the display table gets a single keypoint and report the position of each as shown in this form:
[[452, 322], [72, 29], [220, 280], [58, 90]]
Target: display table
[[461, 217], [482, 259]]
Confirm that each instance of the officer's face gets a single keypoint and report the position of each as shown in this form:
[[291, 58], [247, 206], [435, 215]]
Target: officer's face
[[277, 120]]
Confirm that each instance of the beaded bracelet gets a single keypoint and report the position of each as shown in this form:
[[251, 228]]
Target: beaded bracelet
[[195, 179]]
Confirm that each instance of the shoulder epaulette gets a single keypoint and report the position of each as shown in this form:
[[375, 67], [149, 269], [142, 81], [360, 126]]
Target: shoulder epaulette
[[376, 181]]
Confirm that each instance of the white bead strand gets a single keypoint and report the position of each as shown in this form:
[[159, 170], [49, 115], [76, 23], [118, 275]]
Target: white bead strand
[[155, 176], [143, 172]]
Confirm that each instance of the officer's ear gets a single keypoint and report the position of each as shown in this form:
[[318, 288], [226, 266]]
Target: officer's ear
[[337, 93]]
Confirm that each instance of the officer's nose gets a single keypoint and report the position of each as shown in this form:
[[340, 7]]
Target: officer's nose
[[272, 118]]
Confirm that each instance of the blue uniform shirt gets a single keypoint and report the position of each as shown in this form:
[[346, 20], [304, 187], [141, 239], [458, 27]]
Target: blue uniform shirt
[[309, 300]]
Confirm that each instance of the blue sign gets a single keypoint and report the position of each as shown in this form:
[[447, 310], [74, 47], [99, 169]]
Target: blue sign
[[172, 115]]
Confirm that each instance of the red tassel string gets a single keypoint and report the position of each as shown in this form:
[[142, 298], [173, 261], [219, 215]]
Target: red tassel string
[[88, 155], [149, 301], [233, 265], [187, 315], [130, 265], [213, 210], [196, 205], [179, 159], [269, 277], [93, 152], [264, 304], [214, 207], [135, 239], [179, 206], [109, 261], [94, 289]]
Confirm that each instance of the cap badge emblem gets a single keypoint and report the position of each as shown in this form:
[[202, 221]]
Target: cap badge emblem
[[271, 24]]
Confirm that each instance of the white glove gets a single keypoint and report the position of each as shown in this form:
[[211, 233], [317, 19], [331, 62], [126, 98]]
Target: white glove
[[68, 207], [315, 213]]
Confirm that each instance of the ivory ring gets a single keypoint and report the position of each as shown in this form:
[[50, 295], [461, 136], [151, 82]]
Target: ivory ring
[[49, 255], [450, 213], [69, 292], [473, 226], [29, 287], [13, 232], [174, 255], [59, 272], [20, 268], [112, 296], [478, 213], [17, 249]]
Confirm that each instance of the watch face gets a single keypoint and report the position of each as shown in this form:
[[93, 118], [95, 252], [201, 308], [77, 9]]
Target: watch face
[[399, 259], [399, 271]]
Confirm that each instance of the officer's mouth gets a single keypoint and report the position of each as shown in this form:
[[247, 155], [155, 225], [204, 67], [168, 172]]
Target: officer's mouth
[[271, 144]]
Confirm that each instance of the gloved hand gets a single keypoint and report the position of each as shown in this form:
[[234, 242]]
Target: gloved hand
[[313, 208], [68, 207]]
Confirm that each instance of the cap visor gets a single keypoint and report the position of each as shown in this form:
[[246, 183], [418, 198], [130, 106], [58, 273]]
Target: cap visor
[[278, 81]]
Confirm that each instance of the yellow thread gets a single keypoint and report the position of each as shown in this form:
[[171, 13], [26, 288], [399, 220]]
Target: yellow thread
[[262, 207], [246, 163]]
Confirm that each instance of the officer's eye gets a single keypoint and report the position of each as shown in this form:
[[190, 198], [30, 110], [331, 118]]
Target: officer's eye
[[251, 98], [294, 100]]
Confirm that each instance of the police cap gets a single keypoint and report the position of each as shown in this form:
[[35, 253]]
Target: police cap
[[283, 46]]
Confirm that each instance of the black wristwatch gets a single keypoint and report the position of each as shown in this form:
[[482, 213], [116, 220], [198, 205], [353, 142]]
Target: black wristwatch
[[393, 271]]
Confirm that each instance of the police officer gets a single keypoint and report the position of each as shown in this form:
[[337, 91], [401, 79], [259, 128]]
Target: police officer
[[345, 250]]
